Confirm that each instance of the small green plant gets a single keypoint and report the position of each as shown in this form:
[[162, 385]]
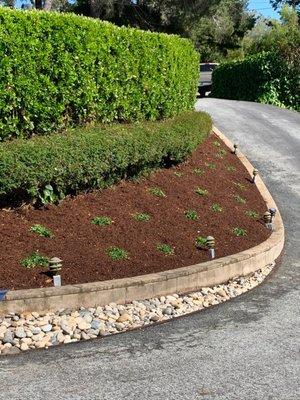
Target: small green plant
[[216, 143], [215, 207], [141, 217], [102, 221], [252, 214], [239, 232], [41, 230], [239, 185], [201, 192], [221, 153], [211, 166], [199, 171], [239, 199], [165, 248], [178, 174], [35, 260], [191, 214], [200, 241], [231, 168], [156, 191], [115, 253], [48, 196]]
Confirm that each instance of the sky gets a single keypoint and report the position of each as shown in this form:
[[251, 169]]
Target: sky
[[263, 7]]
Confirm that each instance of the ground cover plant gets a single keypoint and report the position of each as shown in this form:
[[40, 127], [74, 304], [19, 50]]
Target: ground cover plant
[[165, 249], [128, 247], [35, 260], [116, 254], [141, 217], [191, 214], [62, 69], [41, 230], [94, 157], [102, 221]]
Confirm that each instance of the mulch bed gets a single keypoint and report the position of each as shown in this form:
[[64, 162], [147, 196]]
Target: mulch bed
[[82, 245]]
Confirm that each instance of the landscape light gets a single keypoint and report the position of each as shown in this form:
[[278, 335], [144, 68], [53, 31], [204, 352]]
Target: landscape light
[[255, 172], [210, 243]]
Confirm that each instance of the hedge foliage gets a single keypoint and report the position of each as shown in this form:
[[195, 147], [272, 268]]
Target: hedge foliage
[[95, 157], [61, 69], [265, 78]]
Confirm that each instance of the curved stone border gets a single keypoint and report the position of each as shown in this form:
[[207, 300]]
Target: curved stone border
[[180, 280]]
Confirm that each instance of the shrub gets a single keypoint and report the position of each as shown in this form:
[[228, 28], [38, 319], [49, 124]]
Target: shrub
[[141, 217], [96, 157], [116, 254], [165, 249], [265, 78], [60, 69]]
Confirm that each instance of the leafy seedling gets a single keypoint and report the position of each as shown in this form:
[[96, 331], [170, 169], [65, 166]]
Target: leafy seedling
[[201, 192], [165, 249], [141, 217], [215, 207], [239, 185], [116, 254], [178, 174], [216, 143], [156, 191], [48, 196], [200, 242], [221, 153], [239, 232], [41, 230], [102, 221], [231, 168], [252, 214], [239, 199], [199, 171], [211, 166], [191, 214], [35, 260]]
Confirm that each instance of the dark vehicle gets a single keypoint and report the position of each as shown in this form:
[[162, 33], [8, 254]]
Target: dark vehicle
[[205, 82]]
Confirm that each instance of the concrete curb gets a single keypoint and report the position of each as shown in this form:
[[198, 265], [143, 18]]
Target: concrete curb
[[180, 280]]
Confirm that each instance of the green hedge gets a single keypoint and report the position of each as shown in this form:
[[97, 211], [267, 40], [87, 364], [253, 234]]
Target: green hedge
[[62, 69], [96, 157], [265, 78]]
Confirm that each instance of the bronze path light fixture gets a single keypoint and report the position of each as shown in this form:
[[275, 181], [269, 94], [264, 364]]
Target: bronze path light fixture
[[255, 172], [210, 243], [272, 211], [235, 146], [268, 220], [55, 265]]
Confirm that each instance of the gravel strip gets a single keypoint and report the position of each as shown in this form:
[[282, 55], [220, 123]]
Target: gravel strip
[[21, 332]]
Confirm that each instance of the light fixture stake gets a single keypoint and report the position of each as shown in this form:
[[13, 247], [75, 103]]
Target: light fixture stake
[[255, 172], [210, 243]]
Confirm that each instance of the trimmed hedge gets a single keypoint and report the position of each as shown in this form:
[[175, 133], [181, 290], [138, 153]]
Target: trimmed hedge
[[60, 69], [265, 78], [95, 157]]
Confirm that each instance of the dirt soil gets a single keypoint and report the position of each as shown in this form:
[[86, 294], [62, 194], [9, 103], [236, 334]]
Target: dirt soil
[[82, 245]]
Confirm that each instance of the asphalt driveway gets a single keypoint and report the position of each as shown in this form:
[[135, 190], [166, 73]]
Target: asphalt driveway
[[247, 348]]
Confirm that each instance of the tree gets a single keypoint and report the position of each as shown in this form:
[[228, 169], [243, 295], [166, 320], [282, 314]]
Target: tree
[[277, 4]]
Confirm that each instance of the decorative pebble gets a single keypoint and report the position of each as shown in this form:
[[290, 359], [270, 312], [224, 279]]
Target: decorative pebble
[[21, 332]]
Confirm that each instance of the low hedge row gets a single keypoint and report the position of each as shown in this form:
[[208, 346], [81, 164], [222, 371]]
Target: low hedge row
[[265, 78], [95, 157], [60, 69]]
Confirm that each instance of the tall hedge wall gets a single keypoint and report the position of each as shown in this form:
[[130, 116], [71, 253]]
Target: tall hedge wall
[[61, 69], [95, 157], [265, 78]]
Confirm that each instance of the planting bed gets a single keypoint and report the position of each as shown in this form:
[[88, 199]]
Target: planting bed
[[224, 205]]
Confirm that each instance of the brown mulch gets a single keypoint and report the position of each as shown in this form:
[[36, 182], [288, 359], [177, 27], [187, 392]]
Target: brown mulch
[[82, 245]]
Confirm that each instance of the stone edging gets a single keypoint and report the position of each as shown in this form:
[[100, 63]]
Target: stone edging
[[180, 280]]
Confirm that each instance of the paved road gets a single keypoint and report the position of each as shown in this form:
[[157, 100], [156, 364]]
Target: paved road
[[244, 349]]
